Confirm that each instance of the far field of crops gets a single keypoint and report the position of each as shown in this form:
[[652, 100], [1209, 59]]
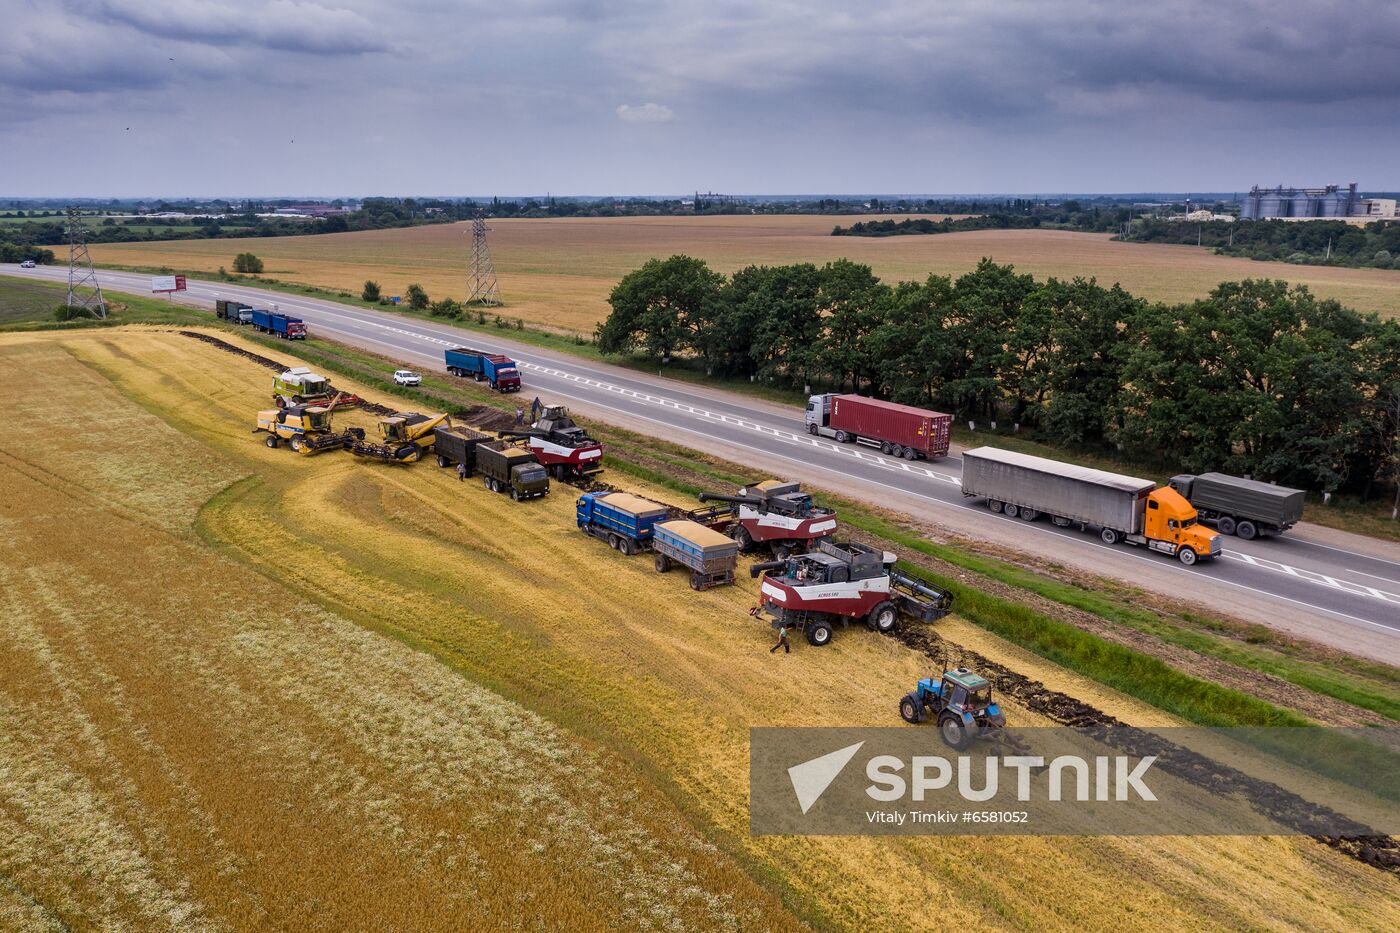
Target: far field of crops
[[557, 273], [246, 689]]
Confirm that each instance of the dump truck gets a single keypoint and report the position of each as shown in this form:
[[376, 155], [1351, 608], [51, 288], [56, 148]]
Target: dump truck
[[775, 515], [305, 428], [1238, 506], [565, 448], [842, 583], [499, 372], [235, 312], [457, 444], [898, 430], [709, 555], [404, 438], [1122, 508], [270, 322], [627, 522], [300, 385], [507, 468]]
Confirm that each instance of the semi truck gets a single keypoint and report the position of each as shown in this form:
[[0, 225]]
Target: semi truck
[[709, 555], [627, 522], [1122, 508], [500, 372], [898, 430], [843, 583], [1239, 506], [457, 444], [235, 312], [775, 515], [271, 322], [506, 468]]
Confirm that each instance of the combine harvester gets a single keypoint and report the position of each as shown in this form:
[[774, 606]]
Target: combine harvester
[[773, 515], [305, 428], [406, 436], [842, 583], [565, 448], [299, 385]]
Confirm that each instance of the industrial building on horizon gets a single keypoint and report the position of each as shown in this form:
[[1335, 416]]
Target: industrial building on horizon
[[1330, 203]]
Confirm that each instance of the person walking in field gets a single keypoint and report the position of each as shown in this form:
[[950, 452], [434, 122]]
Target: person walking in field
[[535, 408], [781, 641], [461, 471], [519, 415]]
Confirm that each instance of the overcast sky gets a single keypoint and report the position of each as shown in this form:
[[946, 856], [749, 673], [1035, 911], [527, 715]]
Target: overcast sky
[[238, 97]]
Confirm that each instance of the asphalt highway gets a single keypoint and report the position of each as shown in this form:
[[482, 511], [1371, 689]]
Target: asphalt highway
[[1330, 591]]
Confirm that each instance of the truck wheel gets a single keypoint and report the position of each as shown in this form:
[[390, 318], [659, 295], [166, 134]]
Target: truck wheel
[[515, 493], [663, 563], [953, 732], [883, 617], [819, 634], [627, 546], [1247, 530], [886, 448], [1186, 556], [486, 481], [1226, 526], [842, 437], [477, 376], [271, 441], [697, 582], [1011, 511], [613, 542], [996, 505], [911, 709], [1109, 536], [443, 461], [910, 453], [1029, 515], [812, 430]]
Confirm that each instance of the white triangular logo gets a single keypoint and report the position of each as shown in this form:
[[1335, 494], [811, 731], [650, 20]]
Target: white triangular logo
[[811, 778]]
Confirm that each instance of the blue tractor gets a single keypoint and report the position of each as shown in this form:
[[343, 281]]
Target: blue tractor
[[961, 703]]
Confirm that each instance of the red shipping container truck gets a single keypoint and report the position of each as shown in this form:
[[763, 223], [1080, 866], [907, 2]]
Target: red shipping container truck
[[898, 430]]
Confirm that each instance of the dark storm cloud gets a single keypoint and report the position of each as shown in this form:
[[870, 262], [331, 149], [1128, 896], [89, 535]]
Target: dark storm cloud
[[285, 25]]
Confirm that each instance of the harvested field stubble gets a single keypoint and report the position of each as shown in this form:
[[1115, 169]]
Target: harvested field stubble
[[623, 659]]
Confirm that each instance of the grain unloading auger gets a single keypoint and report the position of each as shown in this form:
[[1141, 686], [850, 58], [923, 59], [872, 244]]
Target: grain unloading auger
[[774, 515], [406, 436]]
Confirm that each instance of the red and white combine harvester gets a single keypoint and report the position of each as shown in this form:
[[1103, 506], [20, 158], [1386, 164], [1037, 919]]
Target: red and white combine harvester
[[564, 448], [774, 515], [844, 583]]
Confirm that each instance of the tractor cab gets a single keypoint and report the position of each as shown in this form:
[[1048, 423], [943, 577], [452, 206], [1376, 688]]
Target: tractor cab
[[962, 691], [313, 417], [960, 701], [394, 428]]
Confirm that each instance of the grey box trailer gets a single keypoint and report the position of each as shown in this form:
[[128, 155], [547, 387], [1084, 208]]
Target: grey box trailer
[[457, 444], [1245, 507], [1063, 490]]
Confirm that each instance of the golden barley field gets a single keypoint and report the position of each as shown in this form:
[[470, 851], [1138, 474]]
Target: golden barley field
[[244, 689], [557, 273]]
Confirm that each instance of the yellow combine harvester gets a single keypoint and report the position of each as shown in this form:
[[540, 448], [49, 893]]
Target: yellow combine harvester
[[305, 428], [406, 437]]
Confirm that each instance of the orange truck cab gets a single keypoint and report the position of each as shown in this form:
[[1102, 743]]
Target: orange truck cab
[[1169, 525]]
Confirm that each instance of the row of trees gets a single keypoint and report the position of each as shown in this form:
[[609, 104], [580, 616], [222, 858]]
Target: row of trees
[[1256, 378], [1313, 242]]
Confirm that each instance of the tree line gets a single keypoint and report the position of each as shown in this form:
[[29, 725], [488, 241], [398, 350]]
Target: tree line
[[1257, 378], [1312, 242]]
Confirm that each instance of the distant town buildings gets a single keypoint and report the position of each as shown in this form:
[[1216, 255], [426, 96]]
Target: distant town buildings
[[1330, 203]]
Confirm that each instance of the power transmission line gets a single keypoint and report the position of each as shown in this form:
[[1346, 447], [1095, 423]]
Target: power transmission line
[[481, 277], [83, 290]]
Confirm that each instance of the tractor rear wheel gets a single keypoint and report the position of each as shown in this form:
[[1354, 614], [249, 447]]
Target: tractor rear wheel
[[663, 563], [953, 732], [883, 617], [271, 441], [1226, 525], [911, 709], [1247, 530], [819, 634]]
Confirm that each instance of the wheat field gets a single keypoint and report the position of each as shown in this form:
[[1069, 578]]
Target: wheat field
[[248, 689], [557, 273]]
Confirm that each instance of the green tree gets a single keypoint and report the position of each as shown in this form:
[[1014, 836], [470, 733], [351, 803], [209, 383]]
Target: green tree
[[447, 307], [661, 307], [986, 304], [1088, 324], [853, 303], [417, 298], [247, 262], [787, 321], [370, 291], [911, 345]]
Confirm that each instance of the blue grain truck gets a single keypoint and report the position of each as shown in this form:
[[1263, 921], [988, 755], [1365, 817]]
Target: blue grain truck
[[626, 522], [270, 322], [500, 372]]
